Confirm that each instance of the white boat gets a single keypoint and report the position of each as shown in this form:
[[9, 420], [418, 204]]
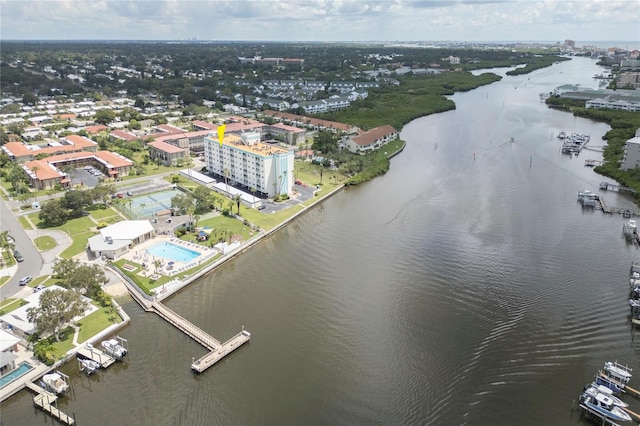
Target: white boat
[[602, 405], [618, 372], [562, 135], [54, 383], [593, 389], [89, 366], [630, 229], [114, 348]]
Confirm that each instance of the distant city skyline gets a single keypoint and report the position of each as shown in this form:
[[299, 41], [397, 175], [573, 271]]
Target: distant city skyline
[[324, 20]]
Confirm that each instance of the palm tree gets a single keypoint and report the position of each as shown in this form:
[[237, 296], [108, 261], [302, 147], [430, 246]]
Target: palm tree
[[253, 192], [236, 198], [140, 207], [226, 177]]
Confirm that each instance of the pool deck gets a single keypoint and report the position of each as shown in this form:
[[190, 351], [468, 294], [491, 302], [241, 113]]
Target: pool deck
[[138, 256]]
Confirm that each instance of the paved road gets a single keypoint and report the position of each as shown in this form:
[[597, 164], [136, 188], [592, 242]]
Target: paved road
[[33, 260]]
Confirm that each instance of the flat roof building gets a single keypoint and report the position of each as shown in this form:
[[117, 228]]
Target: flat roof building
[[244, 160]]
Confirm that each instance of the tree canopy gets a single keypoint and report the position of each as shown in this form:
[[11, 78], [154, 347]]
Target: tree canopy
[[57, 308]]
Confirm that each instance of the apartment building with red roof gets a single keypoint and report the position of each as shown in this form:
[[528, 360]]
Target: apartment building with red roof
[[371, 139], [312, 123], [46, 173], [169, 154], [22, 152]]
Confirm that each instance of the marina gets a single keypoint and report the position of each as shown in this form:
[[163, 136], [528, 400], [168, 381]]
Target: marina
[[599, 399], [573, 143]]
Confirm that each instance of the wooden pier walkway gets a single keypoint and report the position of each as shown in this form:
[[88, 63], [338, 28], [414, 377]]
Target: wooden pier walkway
[[44, 400], [97, 355], [193, 331], [217, 350], [606, 186], [216, 355]]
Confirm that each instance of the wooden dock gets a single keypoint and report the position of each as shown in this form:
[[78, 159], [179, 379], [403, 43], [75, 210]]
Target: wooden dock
[[44, 400], [217, 349], [97, 355], [191, 330], [216, 355]]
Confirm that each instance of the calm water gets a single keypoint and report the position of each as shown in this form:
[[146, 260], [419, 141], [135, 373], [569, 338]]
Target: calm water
[[451, 291]]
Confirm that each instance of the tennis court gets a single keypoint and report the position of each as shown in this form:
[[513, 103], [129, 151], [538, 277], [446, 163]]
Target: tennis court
[[150, 204]]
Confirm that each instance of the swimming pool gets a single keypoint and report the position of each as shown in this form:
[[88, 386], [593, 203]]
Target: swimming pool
[[173, 252], [22, 369]]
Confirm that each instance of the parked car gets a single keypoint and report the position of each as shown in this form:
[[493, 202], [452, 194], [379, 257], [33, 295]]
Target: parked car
[[262, 207], [119, 195], [25, 280], [129, 193], [40, 287], [18, 256]]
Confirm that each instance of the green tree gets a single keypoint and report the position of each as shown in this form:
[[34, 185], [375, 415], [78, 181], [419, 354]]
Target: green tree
[[87, 280], [76, 201], [57, 308], [63, 269], [236, 198], [203, 198], [182, 203], [53, 213], [104, 116], [30, 99]]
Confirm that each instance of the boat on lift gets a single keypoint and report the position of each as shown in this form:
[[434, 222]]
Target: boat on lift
[[114, 348], [602, 406], [54, 383]]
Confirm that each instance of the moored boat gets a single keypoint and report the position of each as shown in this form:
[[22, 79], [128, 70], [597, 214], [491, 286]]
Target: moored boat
[[618, 372], [114, 348], [603, 380], [594, 389], [54, 383], [89, 366], [602, 405]]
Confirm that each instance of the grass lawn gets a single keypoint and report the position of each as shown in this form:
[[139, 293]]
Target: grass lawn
[[96, 322], [183, 182], [101, 211], [7, 258], [78, 245], [11, 305], [24, 222], [65, 344], [4, 279], [45, 243], [79, 229], [72, 227], [40, 280], [234, 225]]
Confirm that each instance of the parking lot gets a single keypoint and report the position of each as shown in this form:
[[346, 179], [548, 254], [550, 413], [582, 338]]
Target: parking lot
[[86, 178]]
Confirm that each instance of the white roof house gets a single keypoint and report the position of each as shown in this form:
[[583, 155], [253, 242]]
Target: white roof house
[[17, 321], [115, 240]]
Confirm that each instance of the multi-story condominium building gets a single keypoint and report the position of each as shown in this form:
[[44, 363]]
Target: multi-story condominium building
[[631, 156], [244, 160]]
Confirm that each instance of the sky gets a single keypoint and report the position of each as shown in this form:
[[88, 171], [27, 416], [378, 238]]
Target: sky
[[322, 20]]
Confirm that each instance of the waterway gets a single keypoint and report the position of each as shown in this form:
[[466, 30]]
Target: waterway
[[465, 287]]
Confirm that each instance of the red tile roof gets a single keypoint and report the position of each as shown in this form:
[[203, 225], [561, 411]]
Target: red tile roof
[[166, 147], [96, 129]]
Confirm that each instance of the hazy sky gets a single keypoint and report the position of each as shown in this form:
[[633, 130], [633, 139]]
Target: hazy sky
[[322, 20]]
